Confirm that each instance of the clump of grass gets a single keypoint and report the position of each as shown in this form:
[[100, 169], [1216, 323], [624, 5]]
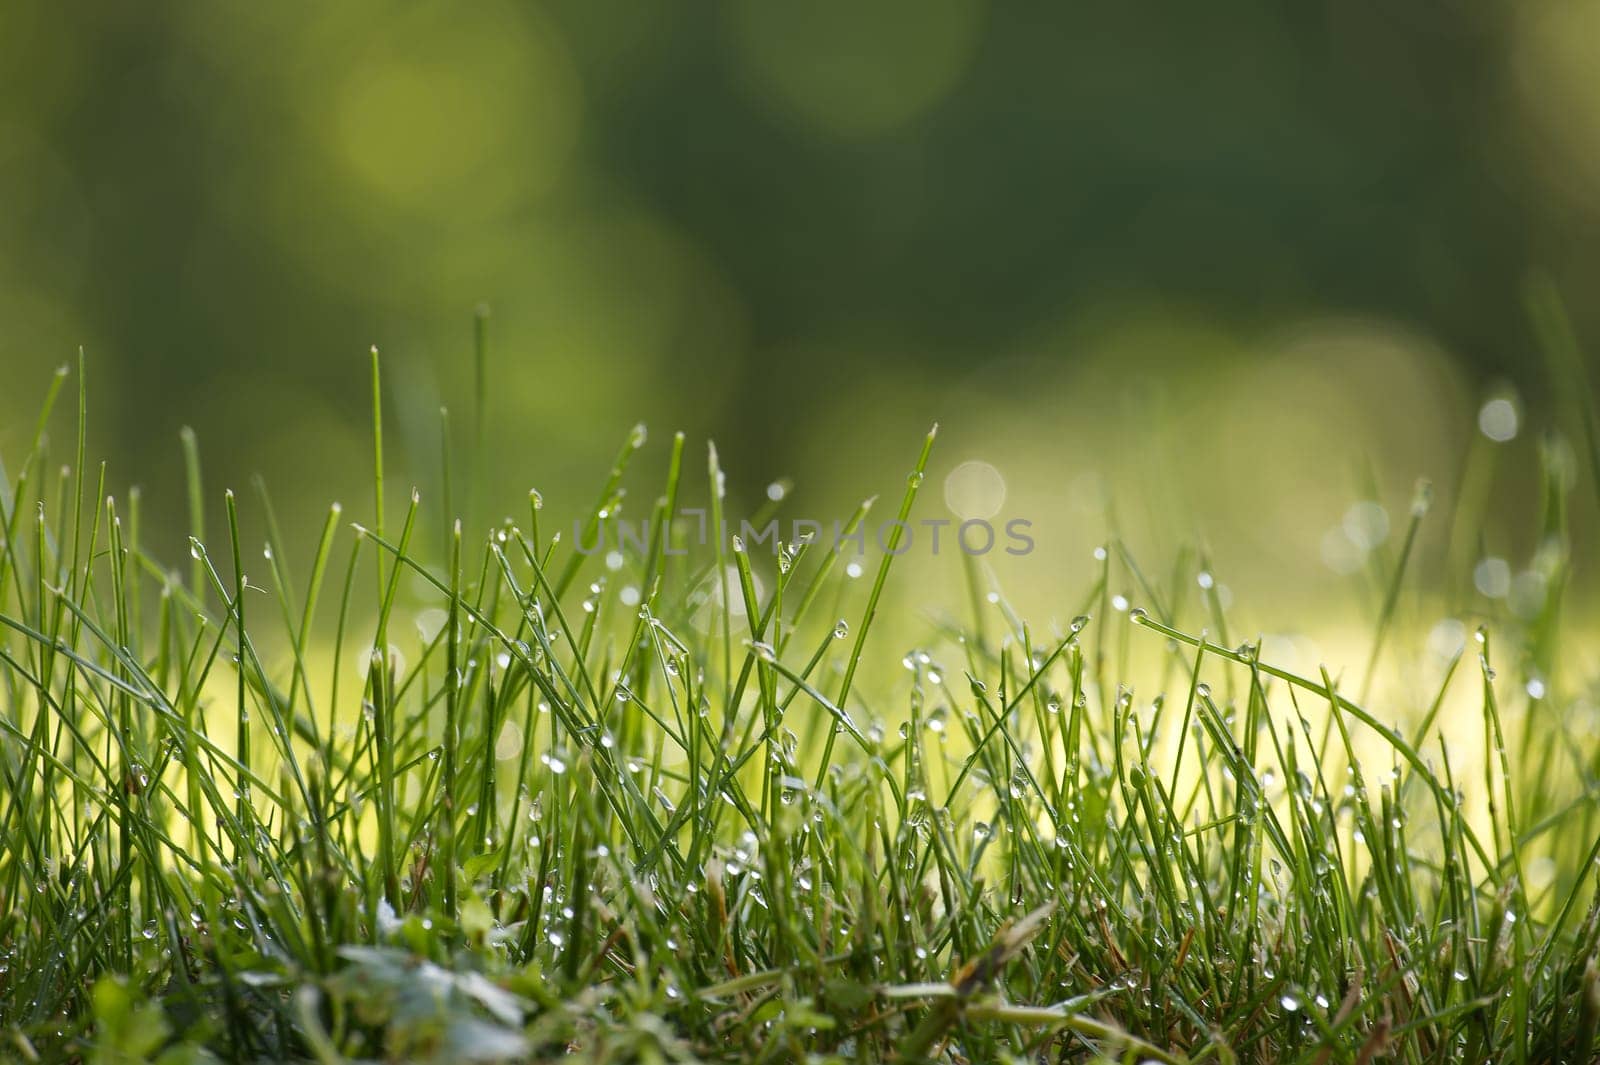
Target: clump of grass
[[647, 814]]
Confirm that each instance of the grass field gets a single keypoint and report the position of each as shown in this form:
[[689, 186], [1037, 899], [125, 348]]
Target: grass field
[[650, 808]]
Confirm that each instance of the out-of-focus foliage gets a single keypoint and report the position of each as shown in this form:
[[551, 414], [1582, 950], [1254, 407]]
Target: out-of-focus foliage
[[1259, 259]]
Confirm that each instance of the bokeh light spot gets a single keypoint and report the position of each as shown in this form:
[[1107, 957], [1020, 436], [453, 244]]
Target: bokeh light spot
[[1492, 577], [466, 108], [975, 490], [856, 70], [1497, 419]]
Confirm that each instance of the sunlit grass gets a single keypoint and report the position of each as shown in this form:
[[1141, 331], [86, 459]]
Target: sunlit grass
[[700, 803]]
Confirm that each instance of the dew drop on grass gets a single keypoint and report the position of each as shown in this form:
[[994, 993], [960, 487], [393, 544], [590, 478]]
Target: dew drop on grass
[[1289, 1003], [1422, 499], [841, 629]]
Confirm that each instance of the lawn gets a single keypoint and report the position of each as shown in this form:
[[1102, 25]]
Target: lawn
[[699, 802]]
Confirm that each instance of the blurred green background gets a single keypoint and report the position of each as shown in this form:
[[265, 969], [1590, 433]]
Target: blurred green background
[[1237, 265]]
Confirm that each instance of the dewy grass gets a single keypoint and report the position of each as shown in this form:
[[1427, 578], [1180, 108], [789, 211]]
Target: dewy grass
[[649, 815]]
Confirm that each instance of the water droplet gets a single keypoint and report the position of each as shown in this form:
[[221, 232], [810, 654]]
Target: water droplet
[[841, 629], [1422, 499]]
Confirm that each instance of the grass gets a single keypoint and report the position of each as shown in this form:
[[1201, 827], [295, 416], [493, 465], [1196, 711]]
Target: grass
[[647, 814]]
